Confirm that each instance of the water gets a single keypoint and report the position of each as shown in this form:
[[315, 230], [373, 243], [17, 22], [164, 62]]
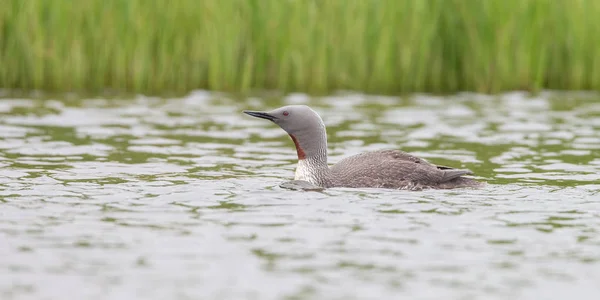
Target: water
[[179, 199]]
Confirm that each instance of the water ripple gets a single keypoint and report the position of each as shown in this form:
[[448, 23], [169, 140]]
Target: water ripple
[[180, 198]]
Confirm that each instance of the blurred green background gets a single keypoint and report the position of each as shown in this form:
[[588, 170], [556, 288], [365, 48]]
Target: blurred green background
[[385, 47]]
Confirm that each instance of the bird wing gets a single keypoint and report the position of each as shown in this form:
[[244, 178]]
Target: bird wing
[[394, 165]]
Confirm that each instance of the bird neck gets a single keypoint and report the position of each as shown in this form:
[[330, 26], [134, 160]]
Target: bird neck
[[312, 157], [314, 170]]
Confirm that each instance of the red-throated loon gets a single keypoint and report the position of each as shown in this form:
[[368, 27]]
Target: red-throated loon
[[376, 169]]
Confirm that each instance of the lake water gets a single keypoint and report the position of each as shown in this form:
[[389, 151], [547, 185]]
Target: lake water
[[148, 198]]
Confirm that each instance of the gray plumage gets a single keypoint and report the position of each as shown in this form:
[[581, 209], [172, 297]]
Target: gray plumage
[[392, 169], [395, 169]]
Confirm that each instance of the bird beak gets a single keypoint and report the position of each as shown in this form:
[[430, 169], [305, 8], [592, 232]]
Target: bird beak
[[260, 114]]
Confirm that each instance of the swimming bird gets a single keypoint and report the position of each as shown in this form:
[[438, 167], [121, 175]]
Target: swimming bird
[[392, 169]]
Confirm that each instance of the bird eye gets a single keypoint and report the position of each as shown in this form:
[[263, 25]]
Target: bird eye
[[285, 113]]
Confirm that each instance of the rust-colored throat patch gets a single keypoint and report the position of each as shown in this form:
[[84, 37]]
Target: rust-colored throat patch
[[299, 150]]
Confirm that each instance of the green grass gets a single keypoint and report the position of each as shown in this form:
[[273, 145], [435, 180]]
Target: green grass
[[391, 47]]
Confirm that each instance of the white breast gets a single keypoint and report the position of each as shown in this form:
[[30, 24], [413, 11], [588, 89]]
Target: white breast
[[304, 172]]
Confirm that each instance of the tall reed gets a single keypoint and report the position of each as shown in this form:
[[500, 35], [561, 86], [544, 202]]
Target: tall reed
[[385, 46]]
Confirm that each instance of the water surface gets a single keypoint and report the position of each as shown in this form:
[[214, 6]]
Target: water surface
[[148, 198]]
